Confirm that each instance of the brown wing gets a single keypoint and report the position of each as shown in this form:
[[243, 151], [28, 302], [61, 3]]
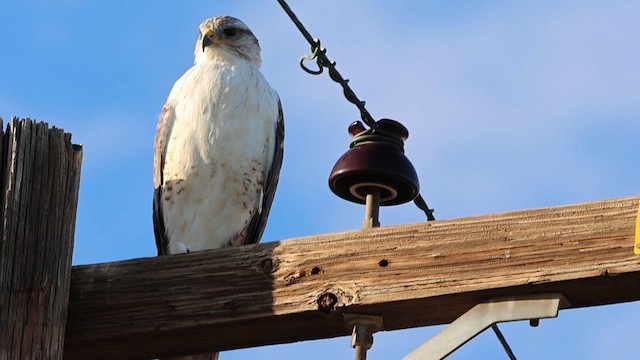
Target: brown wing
[[259, 221], [162, 136]]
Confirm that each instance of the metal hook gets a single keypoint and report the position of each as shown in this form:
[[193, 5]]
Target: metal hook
[[311, 71], [315, 50]]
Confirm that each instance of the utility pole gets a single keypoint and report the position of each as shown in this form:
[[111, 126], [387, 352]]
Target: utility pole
[[40, 176]]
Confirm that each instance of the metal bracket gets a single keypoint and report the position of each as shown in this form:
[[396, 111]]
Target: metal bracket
[[362, 326], [484, 315]]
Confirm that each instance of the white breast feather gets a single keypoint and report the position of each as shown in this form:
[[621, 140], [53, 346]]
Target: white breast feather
[[221, 146]]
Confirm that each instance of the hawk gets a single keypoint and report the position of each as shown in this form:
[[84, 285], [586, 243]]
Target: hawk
[[218, 146]]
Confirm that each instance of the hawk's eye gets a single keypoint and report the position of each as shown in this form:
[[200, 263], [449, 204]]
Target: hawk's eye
[[230, 32]]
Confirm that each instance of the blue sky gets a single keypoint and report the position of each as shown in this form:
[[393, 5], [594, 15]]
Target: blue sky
[[510, 105]]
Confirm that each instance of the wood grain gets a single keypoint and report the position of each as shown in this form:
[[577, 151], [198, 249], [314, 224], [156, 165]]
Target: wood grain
[[412, 275], [40, 176]]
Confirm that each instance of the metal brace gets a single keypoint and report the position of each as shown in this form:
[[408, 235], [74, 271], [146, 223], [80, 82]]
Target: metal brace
[[483, 316]]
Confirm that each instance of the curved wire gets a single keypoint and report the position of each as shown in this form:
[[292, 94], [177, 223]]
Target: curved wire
[[312, 56]]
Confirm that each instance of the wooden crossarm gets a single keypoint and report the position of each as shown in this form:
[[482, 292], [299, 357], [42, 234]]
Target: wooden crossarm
[[413, 275]]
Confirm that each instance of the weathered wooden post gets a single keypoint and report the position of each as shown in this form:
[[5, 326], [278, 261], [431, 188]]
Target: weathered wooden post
[[40, 176]]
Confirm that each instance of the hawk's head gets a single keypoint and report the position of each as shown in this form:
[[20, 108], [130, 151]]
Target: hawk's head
[[223, 36]]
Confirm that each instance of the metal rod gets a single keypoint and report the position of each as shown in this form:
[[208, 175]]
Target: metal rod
[[361, 340], [503, 341], [372, 209], [362, 329], [361, 352]]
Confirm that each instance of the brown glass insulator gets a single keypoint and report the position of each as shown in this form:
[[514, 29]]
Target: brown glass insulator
[[376, 160]]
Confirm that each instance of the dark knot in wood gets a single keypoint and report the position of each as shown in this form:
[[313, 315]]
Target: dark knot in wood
[[266, 266], [327, 302]]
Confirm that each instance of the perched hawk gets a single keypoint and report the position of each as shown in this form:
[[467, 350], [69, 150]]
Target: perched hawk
[[218, 146]]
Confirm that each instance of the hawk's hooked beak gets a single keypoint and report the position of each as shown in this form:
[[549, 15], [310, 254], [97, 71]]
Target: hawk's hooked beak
[[207, 39]]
